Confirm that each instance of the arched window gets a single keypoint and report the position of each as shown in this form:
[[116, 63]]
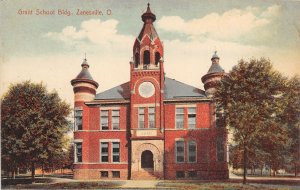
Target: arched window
[[146, 57], [157, 58], [137, 60]]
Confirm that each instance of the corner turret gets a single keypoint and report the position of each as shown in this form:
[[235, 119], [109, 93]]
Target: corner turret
[[214, 74], [84, 86]]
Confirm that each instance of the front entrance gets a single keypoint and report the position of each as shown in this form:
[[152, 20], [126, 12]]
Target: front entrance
[[147, 159]]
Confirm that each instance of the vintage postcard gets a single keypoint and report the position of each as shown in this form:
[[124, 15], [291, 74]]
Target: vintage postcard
[[150, 94]]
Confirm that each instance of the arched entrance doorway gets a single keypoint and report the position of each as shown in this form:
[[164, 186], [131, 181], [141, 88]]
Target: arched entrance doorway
[[147, 159]]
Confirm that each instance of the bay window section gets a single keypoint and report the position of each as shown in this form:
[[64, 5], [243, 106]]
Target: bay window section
[[179, 118], [104, 119], [115, 119], [191, 118], [151, 117], [104, 151]]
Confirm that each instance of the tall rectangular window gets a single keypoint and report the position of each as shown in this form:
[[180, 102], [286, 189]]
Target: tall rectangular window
[[104, 119], [179, 118], [78, 120], [115, 119], [104, 151], [179, 149], [220, 149], [141, 117], [192, 151], [116, 151], [191, 118], [151, 117], [78, 152]]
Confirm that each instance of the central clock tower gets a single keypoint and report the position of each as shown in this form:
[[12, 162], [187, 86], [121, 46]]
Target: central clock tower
[[146, 85]]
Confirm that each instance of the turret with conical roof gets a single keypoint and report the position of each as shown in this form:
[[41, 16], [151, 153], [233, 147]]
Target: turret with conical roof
[[84, 86], [214, 74]]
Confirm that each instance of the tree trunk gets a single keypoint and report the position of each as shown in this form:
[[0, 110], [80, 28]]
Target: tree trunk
[[245, 165], [43, 171], [295, 170], [32, 172], [13, 174], [261, 171]]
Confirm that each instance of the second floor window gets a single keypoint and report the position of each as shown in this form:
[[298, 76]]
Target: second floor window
[[151, 117], [115, 119], [141, 117], [78, 120], [191, 118], [104, 151], [104, 119], [179, 118]]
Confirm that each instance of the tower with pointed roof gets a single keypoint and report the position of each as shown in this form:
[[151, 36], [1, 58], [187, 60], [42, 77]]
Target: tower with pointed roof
[[84, 86], [147, 84], [214, 74]]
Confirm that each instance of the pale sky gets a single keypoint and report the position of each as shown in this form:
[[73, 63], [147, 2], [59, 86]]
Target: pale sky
[[50, 48]]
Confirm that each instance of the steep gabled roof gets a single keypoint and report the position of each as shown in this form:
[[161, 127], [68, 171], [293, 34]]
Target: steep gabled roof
[[173, 89]]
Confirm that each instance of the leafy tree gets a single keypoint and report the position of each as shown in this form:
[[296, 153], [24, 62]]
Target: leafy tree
[[252, 100], [33, 125]]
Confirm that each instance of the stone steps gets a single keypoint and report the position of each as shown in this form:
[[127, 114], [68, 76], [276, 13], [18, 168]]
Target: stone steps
[[144, 174]]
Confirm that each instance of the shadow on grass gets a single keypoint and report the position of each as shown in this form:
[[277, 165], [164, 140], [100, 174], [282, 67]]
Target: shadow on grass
[[69, 185]]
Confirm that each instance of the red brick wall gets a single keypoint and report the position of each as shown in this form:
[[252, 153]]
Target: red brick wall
[[91, 135], [205, 136]]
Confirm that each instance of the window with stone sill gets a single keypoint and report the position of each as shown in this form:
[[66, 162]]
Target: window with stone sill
[[192, 151], [116, 174], [115, 119], [78, 151], [191, 118], [104, 119], [151, 117], [78, 120], [104, 151], [179, 118], [141, 118], [179, 150], [116, 151], [104, 174]]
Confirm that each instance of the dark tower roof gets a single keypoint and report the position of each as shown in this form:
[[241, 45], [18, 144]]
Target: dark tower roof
[[84, 75], [148, 15], [148, 29], [215, 66]]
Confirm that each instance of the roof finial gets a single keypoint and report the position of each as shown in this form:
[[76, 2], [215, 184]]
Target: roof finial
[[85, 56], [148, 4]]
